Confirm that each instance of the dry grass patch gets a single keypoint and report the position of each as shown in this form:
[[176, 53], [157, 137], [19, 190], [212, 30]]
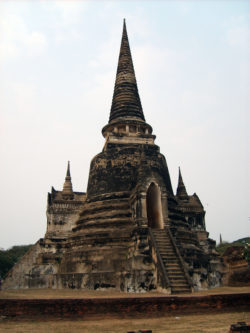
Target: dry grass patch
[[208, 323], [66, 293]]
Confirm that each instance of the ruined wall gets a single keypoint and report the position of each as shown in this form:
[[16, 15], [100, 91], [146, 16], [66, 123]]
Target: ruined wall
[[197, 249], [235, 267], [62, 214], [18, 276], [120, 168], [119, 259], [148, 307]]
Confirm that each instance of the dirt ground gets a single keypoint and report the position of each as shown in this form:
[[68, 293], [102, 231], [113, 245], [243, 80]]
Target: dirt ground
[[209, 323], [200, 323], [65, 293]]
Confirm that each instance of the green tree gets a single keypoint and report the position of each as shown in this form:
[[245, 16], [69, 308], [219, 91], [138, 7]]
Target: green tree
[[247, 253], [9, 257], [221, 248]]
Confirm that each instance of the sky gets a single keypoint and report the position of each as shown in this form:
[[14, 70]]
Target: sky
[[58, 62]]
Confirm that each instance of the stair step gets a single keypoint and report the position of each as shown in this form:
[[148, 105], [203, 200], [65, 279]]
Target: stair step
[[162, 238], [163, 241], [174, 259], [179, 279], [163, 250], [176, 276], [179, 282], [166, 256], [164, 247], [174, 269], [179, 286], [171, 262]]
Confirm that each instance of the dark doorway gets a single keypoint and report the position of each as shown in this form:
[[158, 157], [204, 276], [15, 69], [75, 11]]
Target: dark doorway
[[154, 208]]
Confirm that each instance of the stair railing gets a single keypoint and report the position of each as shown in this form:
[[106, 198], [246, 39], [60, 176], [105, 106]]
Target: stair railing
[[190, 282], [162, 267]]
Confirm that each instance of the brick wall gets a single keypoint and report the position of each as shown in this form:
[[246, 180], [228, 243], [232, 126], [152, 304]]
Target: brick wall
[[121, 307]]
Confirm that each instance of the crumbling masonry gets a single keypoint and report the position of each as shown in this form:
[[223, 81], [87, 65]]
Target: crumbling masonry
[[129, 231]]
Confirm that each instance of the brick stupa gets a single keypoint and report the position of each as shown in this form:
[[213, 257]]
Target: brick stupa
[[129, 231]]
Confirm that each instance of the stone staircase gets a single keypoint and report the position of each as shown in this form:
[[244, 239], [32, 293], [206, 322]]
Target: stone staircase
[[171, 261]]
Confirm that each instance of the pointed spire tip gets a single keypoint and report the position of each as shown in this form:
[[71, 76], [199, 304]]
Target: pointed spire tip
[[67, 187], [68, 169], [181, 189], [126, 100]]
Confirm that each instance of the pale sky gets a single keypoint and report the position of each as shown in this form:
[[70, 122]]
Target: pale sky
[[58, 63]]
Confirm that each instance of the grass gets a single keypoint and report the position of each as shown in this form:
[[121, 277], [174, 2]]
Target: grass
[[209, 323]]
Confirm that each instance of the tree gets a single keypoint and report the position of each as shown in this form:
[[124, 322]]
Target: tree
[[9, 257]]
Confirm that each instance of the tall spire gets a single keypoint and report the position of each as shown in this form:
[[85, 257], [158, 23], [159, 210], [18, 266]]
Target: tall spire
[[126, 100], [181, 189], [220, 240], [67, 187], [68, 170]]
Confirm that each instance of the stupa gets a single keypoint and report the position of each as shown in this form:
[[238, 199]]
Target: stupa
[[129, 231]]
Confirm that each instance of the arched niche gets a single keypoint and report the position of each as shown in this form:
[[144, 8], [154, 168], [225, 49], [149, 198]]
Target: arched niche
[[154, 207]]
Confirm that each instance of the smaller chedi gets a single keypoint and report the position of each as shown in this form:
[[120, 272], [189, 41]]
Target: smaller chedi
[[129, 231]]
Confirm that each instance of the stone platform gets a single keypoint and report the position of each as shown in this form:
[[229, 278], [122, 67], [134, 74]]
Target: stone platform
[[128, 307]]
